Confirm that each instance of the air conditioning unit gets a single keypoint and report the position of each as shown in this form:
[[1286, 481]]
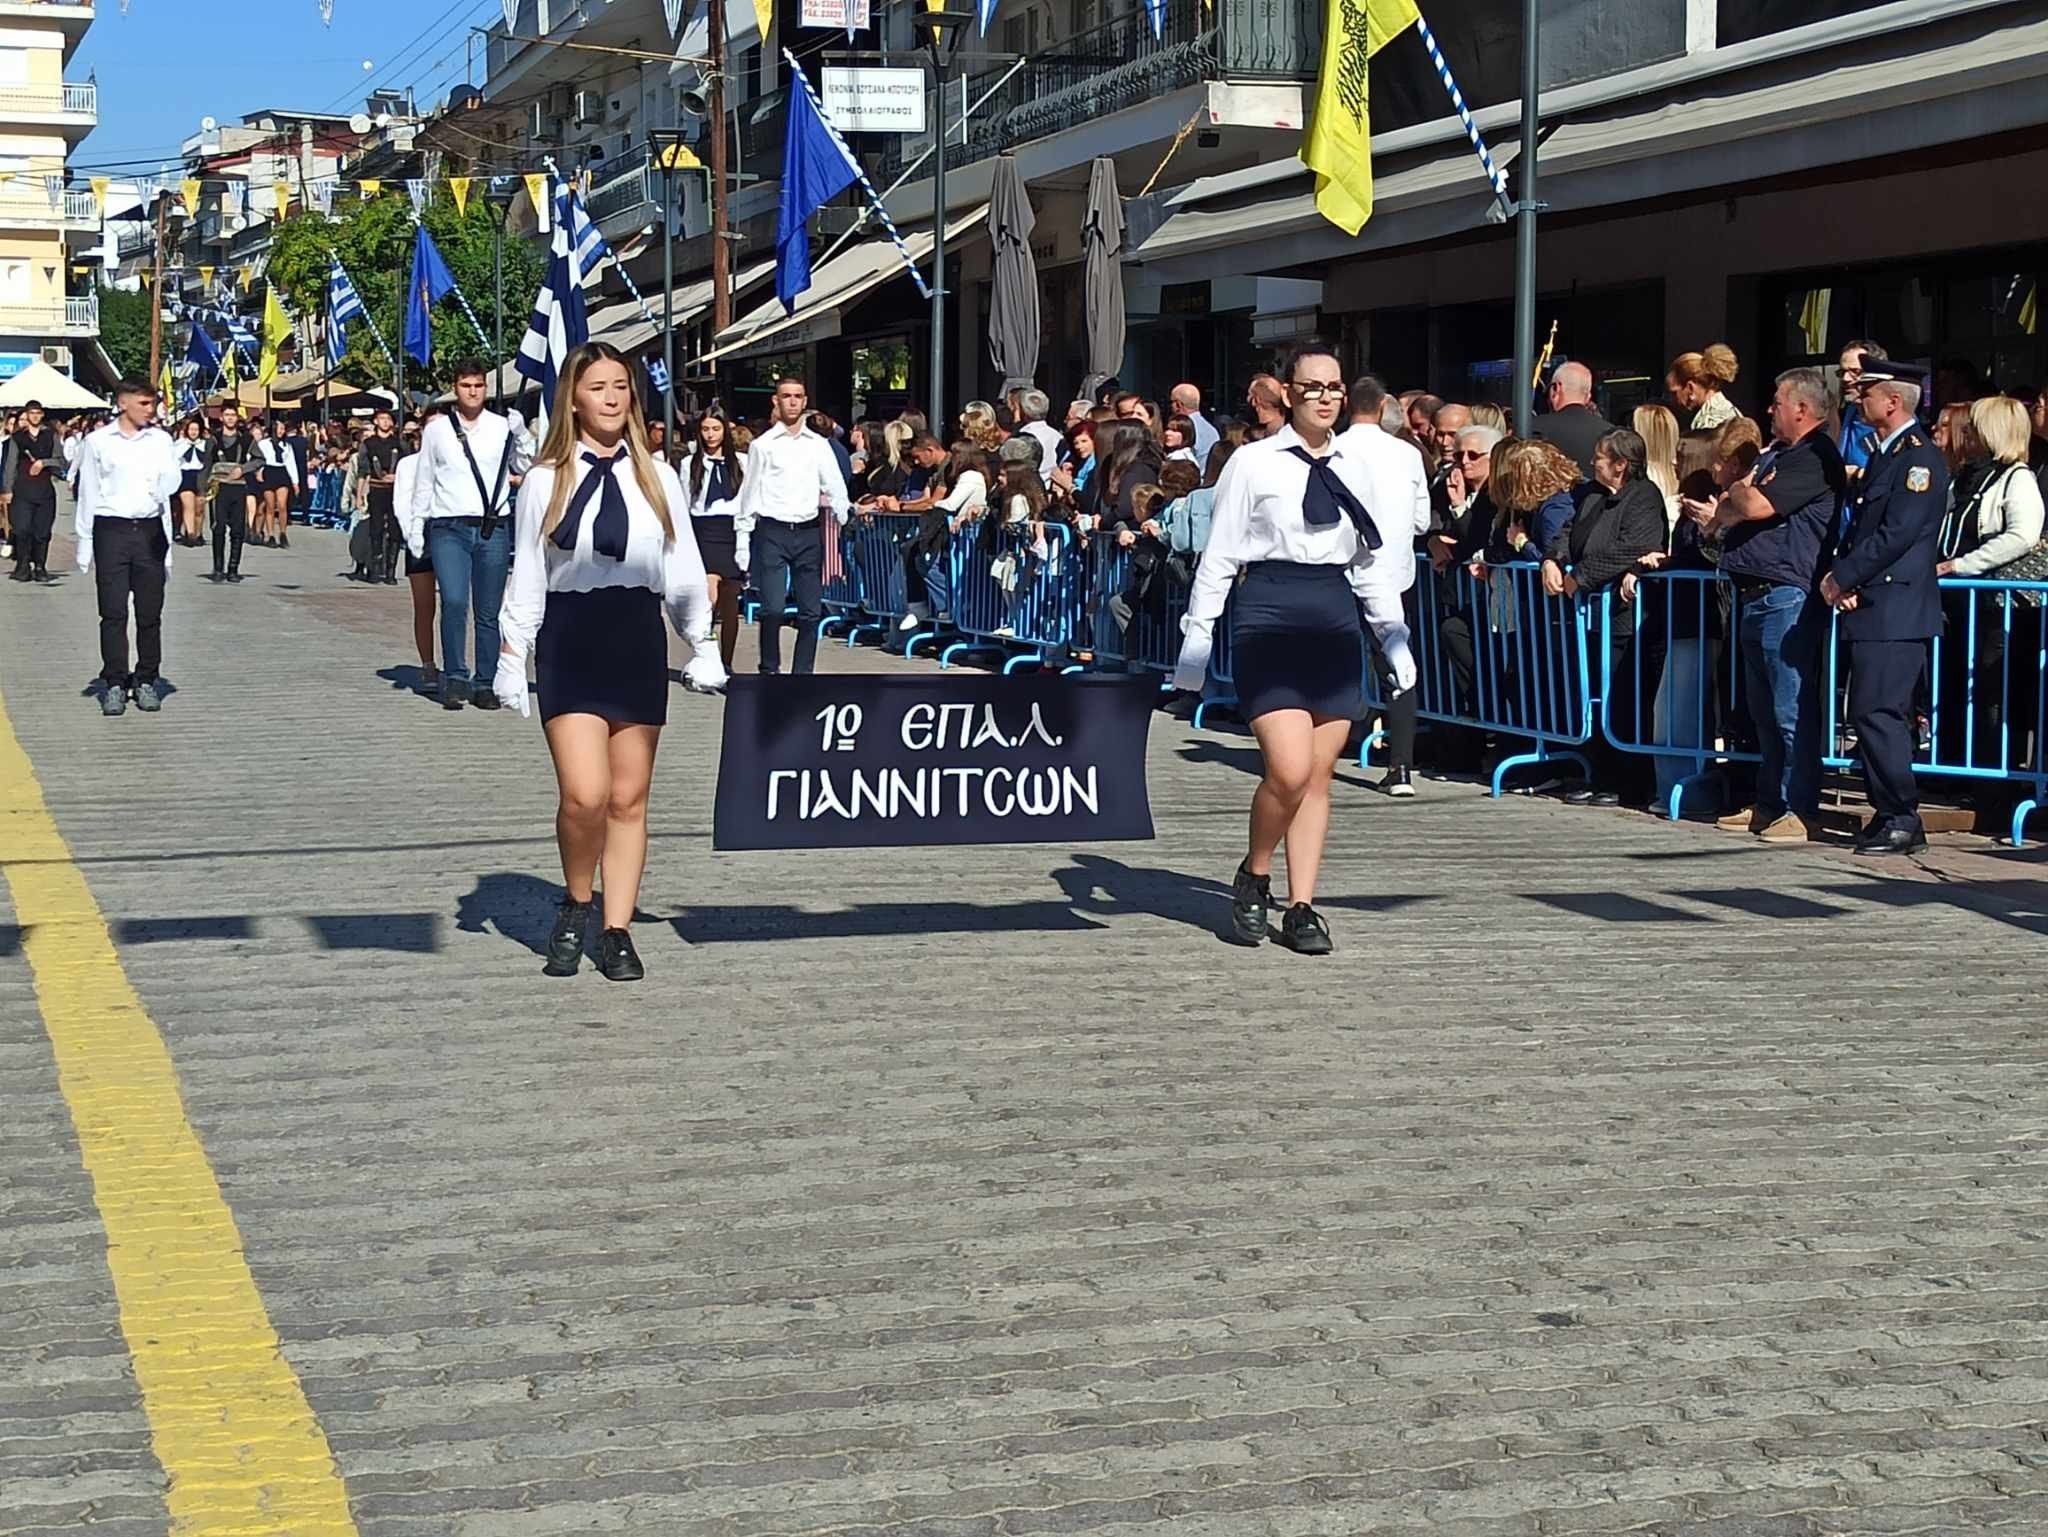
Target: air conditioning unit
[[58, 358], [560, 100], [589, 107]]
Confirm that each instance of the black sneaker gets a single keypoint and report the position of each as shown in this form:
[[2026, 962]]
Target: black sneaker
[[114, 699], [565, 945], [454, 693], [1250, 896], [149, 697], [1303, 931], [616, 957], [1399, 783], [234, 576], [483, 699]]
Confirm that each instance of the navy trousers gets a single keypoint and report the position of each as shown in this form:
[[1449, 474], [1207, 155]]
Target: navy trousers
[[1883, 676]]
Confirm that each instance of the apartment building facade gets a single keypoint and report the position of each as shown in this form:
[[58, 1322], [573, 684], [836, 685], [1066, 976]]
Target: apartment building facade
[[46, 313]]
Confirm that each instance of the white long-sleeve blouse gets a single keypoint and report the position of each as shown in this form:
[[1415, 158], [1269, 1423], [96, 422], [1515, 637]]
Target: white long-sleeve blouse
[[703, 505], [1258, 517], [671, 567]]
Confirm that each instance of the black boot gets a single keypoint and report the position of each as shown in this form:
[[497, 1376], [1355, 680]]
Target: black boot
[[565, 945]]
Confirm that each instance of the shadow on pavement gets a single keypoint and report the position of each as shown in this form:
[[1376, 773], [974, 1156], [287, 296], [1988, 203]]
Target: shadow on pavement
[[520, 907]]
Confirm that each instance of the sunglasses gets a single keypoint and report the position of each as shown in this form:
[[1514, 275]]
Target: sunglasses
[[1473, 454], [1315, 390]]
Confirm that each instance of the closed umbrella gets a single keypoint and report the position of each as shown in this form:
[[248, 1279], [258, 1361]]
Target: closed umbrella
[[1013, 299], [1102, 238]]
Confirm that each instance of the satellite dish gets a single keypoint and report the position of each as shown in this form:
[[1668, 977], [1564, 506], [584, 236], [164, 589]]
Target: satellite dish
[[360, 123], [207, 125]]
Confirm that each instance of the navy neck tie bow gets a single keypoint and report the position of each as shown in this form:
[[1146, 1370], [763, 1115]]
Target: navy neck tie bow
[[1326, 498], [608, 533]]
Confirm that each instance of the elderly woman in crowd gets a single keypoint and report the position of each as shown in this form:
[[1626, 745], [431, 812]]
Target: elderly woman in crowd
[[1993, 521], [1620, 521]]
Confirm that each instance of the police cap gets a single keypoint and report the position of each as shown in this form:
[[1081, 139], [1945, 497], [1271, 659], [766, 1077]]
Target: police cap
[[1892, 371]]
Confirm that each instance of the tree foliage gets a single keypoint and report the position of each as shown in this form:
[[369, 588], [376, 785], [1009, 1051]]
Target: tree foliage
[[124, 330], [374, 240]]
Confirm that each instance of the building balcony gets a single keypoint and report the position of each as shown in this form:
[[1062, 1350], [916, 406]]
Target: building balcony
[[26, 204], [52, 317], [71, 108], [73, 16]]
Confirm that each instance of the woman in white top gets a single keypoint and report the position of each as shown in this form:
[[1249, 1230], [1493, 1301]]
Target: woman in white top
[[280, 474], [601, 545], [1309, 535], [712, 477]]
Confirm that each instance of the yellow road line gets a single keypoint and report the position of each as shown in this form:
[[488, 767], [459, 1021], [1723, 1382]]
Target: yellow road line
[[229, 1422]]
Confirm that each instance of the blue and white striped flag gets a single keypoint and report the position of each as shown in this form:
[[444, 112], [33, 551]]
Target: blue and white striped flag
[[657, 375], [586, 240], [343, 305], [559, 321], [238, 330]]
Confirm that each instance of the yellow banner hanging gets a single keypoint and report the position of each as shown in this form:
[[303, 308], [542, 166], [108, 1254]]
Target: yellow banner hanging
[[459, 186], [537, 189], [99, 186], [277, 330], [1338, 146], [369, 187], [282, 191], [206, 275], [245, 275], [188, 191]]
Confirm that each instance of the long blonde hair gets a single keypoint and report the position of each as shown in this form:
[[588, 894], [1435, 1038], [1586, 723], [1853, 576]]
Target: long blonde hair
[[558, 453], [1658, 429]]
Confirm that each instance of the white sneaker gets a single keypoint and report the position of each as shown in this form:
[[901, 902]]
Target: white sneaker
[[919, 614], [1003, 629]]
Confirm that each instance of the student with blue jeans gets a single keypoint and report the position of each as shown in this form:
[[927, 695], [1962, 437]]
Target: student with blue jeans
[[460, 518]]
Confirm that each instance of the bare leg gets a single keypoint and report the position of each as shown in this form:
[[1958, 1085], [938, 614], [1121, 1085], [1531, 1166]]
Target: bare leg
[[1287, 741], [583, 771], [625, 834], [1311, 824]]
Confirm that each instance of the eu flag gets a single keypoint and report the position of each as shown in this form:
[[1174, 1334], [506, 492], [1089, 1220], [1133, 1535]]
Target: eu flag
[[816, 168], [431, 281]]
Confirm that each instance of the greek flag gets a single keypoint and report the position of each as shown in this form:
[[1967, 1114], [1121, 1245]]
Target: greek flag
[[585, 238], [657, 375], [238, 330], [559, 322], [343, 305]]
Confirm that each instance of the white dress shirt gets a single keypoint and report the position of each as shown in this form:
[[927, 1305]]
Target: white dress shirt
[[1258, 517], [125, 476], [444, 486], [1050, 443], [790, 475], [701, 505], [1399, 477], [405, 479], [671, 567]]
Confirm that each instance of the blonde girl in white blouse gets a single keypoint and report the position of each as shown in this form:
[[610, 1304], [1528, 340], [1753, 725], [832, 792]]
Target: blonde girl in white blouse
[[601, 547]]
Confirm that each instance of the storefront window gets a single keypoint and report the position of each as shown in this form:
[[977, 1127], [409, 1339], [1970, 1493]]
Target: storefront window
[[881, 376]]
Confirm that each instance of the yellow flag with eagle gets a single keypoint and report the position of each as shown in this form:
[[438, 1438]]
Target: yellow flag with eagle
[[277, 329], [1338, 145]]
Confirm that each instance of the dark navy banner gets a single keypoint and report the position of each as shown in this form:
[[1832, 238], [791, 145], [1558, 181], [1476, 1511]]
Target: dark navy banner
[[867, 761]]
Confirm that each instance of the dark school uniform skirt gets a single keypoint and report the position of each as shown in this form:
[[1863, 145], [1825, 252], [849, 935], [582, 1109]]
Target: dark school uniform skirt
[[719, 545], [604, 653], [189, 482], [1296, 641]]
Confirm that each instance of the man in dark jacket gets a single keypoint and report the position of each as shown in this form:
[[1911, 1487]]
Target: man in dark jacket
[[34, 463], [1572, 423], [1883, 583]]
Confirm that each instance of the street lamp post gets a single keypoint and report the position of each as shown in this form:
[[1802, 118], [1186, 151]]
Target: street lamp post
[[1526, 210], [499, 193], [672, 153], [943, 31]]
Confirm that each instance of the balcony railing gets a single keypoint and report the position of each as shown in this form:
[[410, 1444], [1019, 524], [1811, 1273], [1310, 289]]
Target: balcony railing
[[530, 18], [52, 317], [81, 208], [81, 100], [1106, 69], [620, 184]]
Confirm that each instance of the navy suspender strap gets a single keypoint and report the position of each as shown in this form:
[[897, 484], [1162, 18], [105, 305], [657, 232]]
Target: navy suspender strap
[[490, 496]]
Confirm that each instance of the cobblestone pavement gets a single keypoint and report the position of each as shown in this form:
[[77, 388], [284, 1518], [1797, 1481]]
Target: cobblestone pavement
[[1612, 1177]]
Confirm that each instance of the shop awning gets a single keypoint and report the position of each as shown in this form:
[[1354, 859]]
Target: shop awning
[[836, 286], [1973, 76]]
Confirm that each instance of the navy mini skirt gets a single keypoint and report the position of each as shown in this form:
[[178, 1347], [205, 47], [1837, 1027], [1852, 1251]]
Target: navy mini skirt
[[1296, 641], [603, 653]]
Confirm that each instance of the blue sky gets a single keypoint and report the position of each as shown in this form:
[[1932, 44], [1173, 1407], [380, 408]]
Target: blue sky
[[169, 63]]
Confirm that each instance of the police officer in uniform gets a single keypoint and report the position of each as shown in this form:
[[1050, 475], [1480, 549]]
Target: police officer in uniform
[[1883, 585]]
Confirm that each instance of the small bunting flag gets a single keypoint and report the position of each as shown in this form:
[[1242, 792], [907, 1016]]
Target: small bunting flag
[[458, 187], [188, 192]]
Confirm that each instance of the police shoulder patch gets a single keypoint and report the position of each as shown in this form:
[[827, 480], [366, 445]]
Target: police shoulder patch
[[1918, 478]]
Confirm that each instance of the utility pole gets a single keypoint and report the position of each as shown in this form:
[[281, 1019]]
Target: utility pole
[[1526, 209], [721, 249], [156, 295]]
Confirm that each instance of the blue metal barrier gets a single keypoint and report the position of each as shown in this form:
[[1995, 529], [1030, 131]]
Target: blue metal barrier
[[1494, 652], [324, 511], [1986, 693], [1006, 600]]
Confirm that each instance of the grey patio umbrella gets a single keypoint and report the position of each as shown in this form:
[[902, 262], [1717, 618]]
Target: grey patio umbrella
[[1102, 239], [1013, 298]]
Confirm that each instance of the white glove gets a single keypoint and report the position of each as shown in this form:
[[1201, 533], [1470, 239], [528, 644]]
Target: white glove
[[509, 684], [704, 673], [1190, 680], [1400, 658], [743, 556]]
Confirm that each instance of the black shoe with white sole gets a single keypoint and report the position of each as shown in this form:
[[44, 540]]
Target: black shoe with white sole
[[617, 958], [1250, 898], [1303, 931], [1399, 783]]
